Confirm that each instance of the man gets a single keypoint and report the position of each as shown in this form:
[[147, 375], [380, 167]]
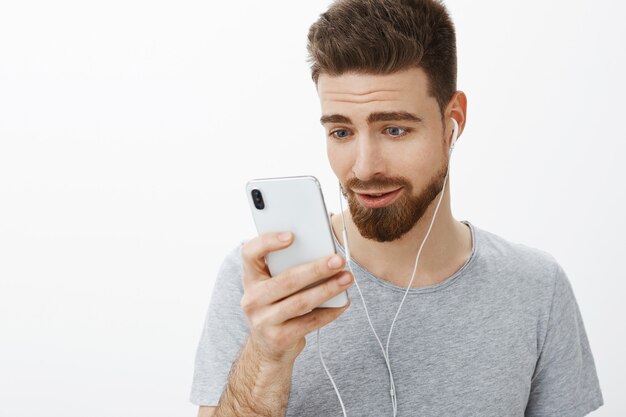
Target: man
[[488, 327]]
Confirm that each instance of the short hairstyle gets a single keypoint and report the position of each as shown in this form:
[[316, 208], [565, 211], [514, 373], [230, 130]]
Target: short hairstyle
[[385, 36]]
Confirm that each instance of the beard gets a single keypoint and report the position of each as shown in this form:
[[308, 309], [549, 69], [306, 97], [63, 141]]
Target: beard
[[385, 224]]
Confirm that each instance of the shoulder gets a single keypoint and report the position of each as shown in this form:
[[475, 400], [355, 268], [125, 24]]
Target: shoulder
[[525, 280], [233, 256], [231, 270], [523, 271], [520, 259]]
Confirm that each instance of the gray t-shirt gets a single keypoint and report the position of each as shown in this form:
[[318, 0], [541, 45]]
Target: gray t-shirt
[[502, 336]]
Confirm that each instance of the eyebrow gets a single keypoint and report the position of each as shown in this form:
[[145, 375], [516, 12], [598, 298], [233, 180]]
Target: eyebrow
[[384, 116]]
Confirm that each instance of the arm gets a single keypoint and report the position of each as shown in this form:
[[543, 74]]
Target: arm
[[279, 314], [256, 387]]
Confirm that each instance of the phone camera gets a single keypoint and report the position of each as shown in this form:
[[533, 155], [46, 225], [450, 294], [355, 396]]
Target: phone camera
[[258, 199]]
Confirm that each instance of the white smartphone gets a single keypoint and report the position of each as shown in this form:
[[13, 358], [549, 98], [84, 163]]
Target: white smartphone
[[294, 204]]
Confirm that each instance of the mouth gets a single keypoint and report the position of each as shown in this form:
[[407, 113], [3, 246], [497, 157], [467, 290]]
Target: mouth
[[379, 199]]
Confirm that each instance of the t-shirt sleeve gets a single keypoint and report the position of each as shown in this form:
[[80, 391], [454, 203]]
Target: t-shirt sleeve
[[564, 382], [224, 333]]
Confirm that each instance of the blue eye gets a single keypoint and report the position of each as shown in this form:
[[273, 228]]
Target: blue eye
[[396, 131], [392, 131], [340, 133]]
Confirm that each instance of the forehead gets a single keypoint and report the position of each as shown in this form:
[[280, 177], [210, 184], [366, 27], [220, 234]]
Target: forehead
[[355, 92]]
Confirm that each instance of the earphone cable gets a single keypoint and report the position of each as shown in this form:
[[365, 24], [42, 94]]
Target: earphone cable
[[348, 259], [319, 351], [415, 267], [384, 351]]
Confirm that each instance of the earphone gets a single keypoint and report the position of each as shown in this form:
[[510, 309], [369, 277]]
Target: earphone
[[385, 352], [455, 135]]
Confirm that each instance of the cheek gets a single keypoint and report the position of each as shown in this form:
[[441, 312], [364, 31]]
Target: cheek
[[416, 160], [404, 154]]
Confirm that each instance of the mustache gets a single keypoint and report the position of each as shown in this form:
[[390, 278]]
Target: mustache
[[376, 183]]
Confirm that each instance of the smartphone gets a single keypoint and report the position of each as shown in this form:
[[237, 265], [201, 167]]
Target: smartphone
[[294, 204]]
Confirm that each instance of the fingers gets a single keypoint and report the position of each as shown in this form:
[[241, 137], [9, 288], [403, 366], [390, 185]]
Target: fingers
[[299, 277], [284, 336], [280, 311], [305, 301], [254, 251], [313, 320]]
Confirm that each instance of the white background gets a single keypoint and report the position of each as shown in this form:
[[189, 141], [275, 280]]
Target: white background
[[129, 128]]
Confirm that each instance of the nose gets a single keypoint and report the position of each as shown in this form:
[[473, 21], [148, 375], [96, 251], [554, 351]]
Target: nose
[[369, 160]]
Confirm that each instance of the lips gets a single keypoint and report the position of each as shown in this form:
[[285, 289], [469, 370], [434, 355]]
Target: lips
[[383, 200]]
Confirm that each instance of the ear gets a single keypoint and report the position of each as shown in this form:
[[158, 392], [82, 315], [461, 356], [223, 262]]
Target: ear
[[457, 109]]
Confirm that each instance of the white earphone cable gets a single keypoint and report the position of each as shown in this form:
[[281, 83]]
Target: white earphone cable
[[319, 351], [385, 352]]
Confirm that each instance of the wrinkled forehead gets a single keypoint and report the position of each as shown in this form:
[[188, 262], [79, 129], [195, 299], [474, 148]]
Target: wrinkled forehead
[[403, 90]]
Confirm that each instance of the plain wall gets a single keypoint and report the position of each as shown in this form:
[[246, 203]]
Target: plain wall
[[129, 128]]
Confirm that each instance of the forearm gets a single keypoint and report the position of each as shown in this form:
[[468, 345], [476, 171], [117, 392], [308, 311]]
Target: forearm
[[255, 387]]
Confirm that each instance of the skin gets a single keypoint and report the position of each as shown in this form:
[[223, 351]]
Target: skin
[[279, 314], [381, 155], [369, 157]]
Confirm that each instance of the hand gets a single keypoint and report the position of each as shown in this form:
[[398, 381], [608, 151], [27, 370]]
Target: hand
[[278, 318]]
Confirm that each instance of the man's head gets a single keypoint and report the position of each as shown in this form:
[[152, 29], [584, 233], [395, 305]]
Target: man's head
[[386, 76], [385, 36]]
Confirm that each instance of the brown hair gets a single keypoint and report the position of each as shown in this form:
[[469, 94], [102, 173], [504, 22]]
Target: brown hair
[[385, 36]]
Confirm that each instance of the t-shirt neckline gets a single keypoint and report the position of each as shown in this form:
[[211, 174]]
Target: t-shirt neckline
[[428, 289]]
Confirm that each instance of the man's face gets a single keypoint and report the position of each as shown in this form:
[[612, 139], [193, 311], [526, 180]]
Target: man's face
[[384, 133]]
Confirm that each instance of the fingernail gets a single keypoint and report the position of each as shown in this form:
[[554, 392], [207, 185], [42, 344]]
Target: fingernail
[[345, 279], [284, 236], [334, 262]]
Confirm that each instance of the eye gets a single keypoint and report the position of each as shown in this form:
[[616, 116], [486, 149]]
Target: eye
[[396, 131], [340, 133]]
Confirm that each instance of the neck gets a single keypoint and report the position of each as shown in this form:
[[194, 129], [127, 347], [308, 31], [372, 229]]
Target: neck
[[447, 248]]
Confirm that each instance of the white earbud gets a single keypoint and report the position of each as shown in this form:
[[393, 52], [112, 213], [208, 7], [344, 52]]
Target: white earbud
[[455, 134]]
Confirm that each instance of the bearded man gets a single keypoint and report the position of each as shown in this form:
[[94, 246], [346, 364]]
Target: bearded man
[[488, 327]]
